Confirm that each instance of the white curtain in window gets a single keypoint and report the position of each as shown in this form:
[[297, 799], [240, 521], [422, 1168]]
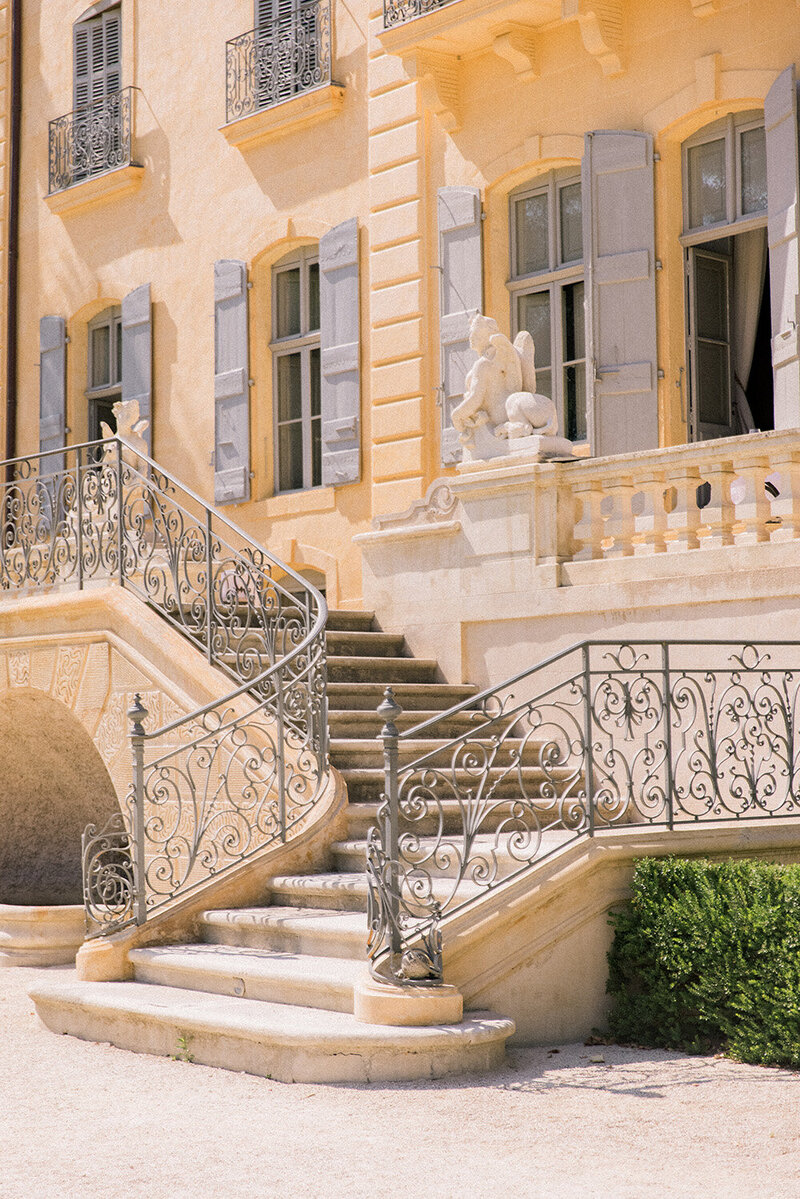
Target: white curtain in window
[[749, 268]]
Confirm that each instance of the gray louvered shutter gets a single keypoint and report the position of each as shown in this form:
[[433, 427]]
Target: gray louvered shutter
[[52, 392], [137, 355], [461, 297], [97, 58], [619, 248], [340, 358], [231, 389], [783, 199]]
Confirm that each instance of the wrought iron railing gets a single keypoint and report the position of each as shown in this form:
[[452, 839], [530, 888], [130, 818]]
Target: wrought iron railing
[[604, 734], [278, 60], [213, 787], [397, 12], [91, 140]]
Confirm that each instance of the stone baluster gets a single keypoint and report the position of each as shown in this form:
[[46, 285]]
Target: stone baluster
[[719, 514], [619, 516], [753, 508], [787, 504], [651, 523], [684, 518], [589, 530]]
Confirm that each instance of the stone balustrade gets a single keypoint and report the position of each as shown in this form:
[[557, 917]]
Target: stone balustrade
[[737, 491]]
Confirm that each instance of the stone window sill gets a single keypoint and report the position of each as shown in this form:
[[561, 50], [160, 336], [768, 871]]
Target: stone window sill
[[98, 189], [286, 117]]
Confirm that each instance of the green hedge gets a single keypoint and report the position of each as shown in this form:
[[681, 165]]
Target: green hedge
[[707, 956]]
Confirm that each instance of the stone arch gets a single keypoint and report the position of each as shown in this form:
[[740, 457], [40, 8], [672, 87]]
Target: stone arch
[[53, 782]]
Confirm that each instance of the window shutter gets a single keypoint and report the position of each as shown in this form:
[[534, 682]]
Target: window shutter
[[52, 392], [461, 297], [231, 384], [340, 357], [112, 29], [97, 58], [264, 11], [80, 65], [619, 247], [137, 355], [783, 194]]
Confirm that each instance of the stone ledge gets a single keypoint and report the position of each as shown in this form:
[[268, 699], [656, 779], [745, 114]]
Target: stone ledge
[[40, 935], [287, 117], [98, 189]]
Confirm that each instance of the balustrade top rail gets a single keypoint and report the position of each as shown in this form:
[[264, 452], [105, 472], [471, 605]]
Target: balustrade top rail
[[91, 140], [279, 59]]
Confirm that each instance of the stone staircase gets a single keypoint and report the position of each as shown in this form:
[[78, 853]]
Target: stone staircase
[[270, 989]]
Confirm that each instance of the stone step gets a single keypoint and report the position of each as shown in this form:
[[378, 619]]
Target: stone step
[[366, 784], [319, 931], [345, 892], [366, 696], [273, 976], [274, 1040], [351, 722], [447, 812], [352, 668], [357, 754], [350, 856], [365, 644], [345, 619]]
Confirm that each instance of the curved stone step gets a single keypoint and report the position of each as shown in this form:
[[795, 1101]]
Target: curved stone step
[[348, 891], [350, 856], [320, 931], [300, 979], [366, 784], [281, 1041]]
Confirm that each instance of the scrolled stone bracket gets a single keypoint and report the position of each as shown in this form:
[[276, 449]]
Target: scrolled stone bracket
[[517, 45], [439, 77], [600, 24]]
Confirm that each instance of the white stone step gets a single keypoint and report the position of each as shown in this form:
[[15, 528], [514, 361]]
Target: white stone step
[[299, 979], [291, 1044], [347, 891], [321, 931], [507, 851]]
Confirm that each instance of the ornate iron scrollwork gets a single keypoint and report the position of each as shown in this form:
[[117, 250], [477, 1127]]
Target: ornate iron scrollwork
[[91, 140], [280, 59]]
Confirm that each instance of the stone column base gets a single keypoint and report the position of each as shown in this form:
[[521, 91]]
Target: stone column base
[[406, 1007]]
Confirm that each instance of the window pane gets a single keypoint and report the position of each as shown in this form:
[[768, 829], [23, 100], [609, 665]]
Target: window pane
[[118, 364], [707, 184], [713, 383], [316, 452], [289, 388], [571, 223], [290, 457], [575, 401], [573, 321], [315, 383], [287, 302], [754, 171], [534, 315], [313, 296], [101, 346], [532, 234], [711, 288]]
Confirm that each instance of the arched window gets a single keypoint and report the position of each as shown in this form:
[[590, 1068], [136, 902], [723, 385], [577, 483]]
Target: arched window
[[295, 348], [547, 290], [727, 271]]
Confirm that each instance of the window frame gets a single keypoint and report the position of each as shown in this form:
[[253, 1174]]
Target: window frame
[[110, 318], [553, 280], [303, 343], [728, 128]]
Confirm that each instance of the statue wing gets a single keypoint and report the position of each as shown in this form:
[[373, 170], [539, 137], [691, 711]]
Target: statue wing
[[140, 426], [105, 430], [523, 344]]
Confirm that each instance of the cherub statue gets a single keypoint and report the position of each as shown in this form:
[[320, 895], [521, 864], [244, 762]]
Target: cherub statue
[[500, 388], [129, 430]]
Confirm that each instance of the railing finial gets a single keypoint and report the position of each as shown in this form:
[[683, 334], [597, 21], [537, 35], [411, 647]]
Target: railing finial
[[138, 713], [389, 710]]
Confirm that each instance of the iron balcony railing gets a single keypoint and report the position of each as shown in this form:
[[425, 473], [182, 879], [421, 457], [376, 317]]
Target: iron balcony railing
[[279, 59], [215, 786], [91, 141], [397, 12], [604, 734]]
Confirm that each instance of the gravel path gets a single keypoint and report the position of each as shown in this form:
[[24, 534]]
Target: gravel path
[[84, 1121]]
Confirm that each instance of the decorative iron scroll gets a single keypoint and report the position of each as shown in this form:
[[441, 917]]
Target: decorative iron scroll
[[216, 786], [397, 12], [91, 140], [279, 59], [603, 734]]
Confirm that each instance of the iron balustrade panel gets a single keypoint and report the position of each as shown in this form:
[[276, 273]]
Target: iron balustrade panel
[[397, 12], [279, 59], [604, 734], [91, 140]]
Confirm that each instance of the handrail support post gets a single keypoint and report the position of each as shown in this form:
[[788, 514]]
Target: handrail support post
[[137, 715], [390, 710]]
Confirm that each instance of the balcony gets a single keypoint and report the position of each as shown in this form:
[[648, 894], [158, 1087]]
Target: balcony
[[90, 154], [278, 76]]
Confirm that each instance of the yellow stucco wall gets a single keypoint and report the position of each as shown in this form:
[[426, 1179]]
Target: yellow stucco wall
[[668, 68]]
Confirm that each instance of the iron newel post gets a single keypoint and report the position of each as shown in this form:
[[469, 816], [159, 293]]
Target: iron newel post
[[390, 710], [137, 714]]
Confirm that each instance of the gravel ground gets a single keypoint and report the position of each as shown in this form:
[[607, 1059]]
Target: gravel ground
[[94, 1122]]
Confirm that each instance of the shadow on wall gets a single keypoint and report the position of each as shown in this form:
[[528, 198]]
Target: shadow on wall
[[52, 784]]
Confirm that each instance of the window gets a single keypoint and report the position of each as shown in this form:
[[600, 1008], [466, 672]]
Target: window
[[547, 291], [104, 386], [296, 371], [727, 273]]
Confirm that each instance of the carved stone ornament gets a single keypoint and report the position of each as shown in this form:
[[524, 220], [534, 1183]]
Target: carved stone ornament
[[502, 413], [129, 430]]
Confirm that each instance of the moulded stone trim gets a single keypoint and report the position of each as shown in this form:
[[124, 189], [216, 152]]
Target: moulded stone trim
[[535, 153], [286, 117], [112, 185], [688, 110]]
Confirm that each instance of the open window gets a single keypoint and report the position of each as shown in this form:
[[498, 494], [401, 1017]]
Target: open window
[[728, 325], [104, 383], [296, 363]]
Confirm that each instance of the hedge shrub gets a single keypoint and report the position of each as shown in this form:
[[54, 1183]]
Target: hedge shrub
[[707, 956]]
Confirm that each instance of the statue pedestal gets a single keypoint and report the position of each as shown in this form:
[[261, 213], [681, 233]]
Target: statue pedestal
[[483, 446]]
